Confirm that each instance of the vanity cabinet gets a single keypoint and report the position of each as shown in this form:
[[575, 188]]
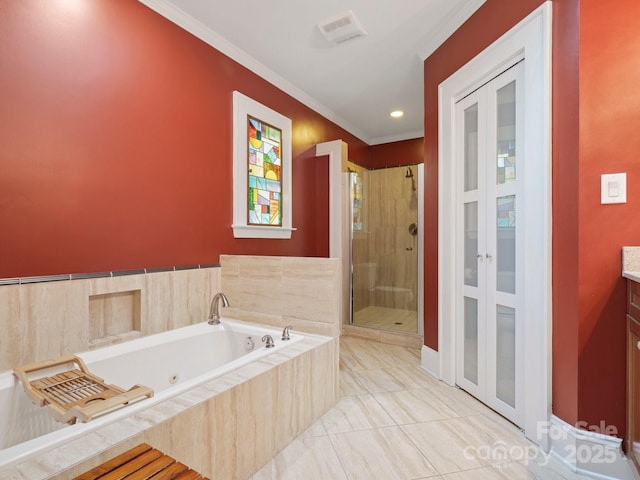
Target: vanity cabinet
[[633, 372]]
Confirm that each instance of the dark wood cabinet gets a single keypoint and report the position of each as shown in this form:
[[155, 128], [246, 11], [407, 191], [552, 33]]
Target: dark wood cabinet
[[633, 372]]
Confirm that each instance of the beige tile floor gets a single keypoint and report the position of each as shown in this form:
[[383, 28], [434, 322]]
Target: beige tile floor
[[384, 318], [395, 421]]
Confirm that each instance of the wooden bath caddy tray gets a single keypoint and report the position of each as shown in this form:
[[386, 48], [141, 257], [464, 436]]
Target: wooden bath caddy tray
[[74, 394]]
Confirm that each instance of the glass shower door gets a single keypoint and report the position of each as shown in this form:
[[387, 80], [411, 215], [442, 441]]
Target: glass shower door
[[384, 249]]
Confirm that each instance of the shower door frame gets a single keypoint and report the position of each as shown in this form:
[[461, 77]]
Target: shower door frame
[[419, 246], [339, 221]]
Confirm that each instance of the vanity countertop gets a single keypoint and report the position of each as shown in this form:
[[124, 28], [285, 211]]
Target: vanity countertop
[[631, 263], [635, 276]]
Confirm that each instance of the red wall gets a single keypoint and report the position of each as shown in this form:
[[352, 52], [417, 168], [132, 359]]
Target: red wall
[[492, 20], [596, 71], [565, 186], [609, 143], [405, 152], [115, 143]]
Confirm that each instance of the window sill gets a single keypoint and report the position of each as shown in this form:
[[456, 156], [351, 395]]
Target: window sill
[[254, 231]]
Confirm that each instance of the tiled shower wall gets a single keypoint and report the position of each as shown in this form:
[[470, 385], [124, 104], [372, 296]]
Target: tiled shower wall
[[385, 258]]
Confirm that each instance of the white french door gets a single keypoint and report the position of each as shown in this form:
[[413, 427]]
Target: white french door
[[489, 215]]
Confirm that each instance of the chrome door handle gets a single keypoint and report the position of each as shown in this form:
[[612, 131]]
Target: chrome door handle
[[489, 257]]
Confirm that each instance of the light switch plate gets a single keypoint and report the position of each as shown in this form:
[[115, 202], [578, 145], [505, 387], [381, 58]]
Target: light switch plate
[[613, 188]]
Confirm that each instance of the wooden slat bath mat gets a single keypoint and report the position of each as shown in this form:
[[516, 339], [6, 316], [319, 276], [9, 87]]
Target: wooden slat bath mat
[[74, 394], [141, 462]]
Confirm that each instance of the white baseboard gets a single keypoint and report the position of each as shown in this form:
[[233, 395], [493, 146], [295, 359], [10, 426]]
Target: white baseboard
[[589, 453], [430, 361]]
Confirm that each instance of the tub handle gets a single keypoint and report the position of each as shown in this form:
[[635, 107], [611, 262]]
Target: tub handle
[[269, 340], [285, 333]]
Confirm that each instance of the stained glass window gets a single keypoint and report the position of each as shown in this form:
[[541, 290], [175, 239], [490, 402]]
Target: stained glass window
[[507, 212], [265, 173], [262, 167], [506, 103], [357, 202]]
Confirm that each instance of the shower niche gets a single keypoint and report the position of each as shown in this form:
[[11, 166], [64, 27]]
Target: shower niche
[[384, 248]]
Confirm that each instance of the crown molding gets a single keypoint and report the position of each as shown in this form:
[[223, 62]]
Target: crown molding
[[397, 138], [448, 26], [204, 33]]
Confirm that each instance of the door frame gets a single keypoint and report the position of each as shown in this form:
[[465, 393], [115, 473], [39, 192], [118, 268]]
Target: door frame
[[340, 219], [529, 40]]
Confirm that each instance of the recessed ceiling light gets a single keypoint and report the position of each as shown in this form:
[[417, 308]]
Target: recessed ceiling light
[[397, 113]]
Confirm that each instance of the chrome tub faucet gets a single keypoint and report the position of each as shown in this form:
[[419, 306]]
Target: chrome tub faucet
[[269, 340], [214, 315], [285, 333]]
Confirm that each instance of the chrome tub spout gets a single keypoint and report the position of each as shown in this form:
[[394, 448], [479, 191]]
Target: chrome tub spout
[[214, 315]]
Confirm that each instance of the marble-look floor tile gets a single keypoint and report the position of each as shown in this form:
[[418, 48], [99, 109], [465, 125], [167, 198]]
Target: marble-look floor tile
[[498, 432], [388, 413], [413, 406], [445, 443], [360, 354], [315, 430], [395, 379], [380, 380], [358, 412], [350, 385], [507, 471], [308, 458], [459, 400], [384, 453]]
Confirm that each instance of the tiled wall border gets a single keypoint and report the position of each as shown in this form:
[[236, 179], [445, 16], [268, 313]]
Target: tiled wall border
[[84, 276]]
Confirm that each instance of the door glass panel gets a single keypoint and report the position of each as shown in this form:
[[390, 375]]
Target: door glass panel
[[471, 148], [471, 339], [506, 354], [471, 244], [506, 244], [506, 119]]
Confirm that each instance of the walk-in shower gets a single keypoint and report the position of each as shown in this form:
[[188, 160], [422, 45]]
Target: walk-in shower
[[384, 249]]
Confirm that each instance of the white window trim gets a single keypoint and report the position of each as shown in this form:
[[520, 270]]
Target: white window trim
[[243, 106]]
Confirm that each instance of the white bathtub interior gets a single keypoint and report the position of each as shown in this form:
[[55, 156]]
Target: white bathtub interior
[[170, 363]]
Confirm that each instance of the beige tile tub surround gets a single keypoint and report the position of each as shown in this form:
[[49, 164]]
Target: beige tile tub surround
[[302, 292], [227, 428], [237, 422], [39, 321]]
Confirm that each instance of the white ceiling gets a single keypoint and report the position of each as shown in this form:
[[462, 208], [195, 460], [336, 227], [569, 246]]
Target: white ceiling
[[355, 84]]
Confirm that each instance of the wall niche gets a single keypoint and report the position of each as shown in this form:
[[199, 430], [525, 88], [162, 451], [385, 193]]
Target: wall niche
[[114, 315]]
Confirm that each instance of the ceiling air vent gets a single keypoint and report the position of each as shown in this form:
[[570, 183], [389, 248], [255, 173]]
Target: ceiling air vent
[[342, 28]]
